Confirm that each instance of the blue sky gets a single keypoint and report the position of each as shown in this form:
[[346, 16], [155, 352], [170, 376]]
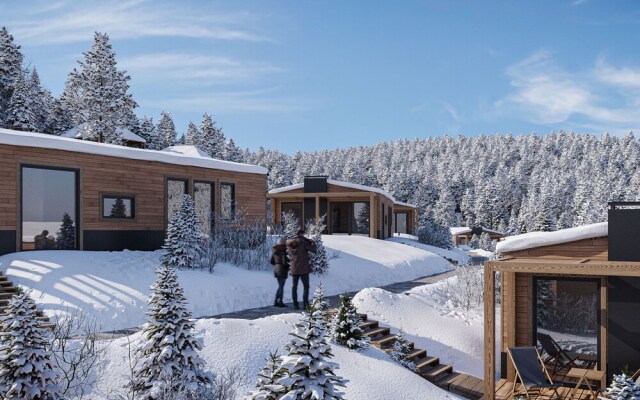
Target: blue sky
[[309, 75]]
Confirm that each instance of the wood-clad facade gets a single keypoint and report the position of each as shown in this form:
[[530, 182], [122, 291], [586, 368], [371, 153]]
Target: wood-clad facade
[[349, 209], [101, 181]]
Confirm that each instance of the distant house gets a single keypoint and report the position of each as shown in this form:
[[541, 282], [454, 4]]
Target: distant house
[[129, 138], [350, 208], [112, 197], [578, 286], [461, 235]]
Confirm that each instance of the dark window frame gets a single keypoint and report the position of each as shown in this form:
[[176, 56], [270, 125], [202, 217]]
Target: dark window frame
[[76, 171], [233, 199], [213, 198], [130, 197]]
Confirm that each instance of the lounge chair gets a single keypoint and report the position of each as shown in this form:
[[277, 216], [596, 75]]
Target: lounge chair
[[531, 373], [562, 358]]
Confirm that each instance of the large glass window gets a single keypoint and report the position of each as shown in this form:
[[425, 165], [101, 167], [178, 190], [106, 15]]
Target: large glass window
[[120, 207], [294, 208], [401, 223], [567, 316], [176, 188], [227, 200], [203, 197], [49, 204], [360, 218]]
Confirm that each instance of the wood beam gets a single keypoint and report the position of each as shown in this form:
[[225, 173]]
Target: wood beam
[[560, 267], [372, 216], [317, 208], [489, 333], [361, 195]]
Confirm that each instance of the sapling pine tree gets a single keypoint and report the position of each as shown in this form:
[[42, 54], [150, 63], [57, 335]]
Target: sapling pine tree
[[474, 243], [486, 243], [345, 326], [401, 350], [168, 360], [26, 369], [623, 388], [307, 372], [319, 259], [267, 387], [290, 225], [66, 237], [319, 303], [183, 244]]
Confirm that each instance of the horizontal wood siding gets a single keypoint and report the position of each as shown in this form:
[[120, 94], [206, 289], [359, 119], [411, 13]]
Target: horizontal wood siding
[[146, 180], [593, 249], [523, 309]]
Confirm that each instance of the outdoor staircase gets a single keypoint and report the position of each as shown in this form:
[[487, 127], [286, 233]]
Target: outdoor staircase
[[7, 291], [427, 366]]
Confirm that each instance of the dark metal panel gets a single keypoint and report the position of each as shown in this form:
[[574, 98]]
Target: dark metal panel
[[309, 210], [315, 184], [323, 211], [7, 242], [624, 232], [121, 240], [623, 325]]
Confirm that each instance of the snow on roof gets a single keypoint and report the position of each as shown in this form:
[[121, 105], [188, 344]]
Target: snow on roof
[[77, 132], [338, 183], [400, 203], [187, 150], [460, 230], [538, 239], [40, 140]]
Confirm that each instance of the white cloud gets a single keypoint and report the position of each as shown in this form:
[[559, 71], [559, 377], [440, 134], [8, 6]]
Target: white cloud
[[74, 21]]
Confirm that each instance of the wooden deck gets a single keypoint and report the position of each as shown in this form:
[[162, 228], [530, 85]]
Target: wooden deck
[[503, 392]]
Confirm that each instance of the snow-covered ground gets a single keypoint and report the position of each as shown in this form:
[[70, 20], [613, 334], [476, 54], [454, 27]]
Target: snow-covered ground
[[454, 254], [432, 323], [242, 344], [113, 286]]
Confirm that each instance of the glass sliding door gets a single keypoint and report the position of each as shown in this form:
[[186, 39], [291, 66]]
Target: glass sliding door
[[203, 198], [360, 218], [227, 200], [350, 217], [176, 188], [401, 222], [49, 203]]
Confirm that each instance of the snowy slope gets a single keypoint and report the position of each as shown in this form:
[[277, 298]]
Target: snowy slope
[[454, 254], [113, 286], [245, 344], [538, 239]]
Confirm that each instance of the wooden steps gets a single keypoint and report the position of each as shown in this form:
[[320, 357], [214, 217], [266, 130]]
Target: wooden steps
[[7, 291]]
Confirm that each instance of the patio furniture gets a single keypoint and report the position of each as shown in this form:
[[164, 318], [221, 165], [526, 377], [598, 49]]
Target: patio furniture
[[562, 358], [586, 377], [532, 373]]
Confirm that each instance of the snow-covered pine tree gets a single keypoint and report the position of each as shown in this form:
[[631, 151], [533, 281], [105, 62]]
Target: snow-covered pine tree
[[20, 111], [290, 225], [26, 369], [345, 326], [486, 243], [211, 138], [66, 237], [623, 388], [267, 387], [10, 70], [192, 134], [42, 101], [319, 259], [401, 350], [165, 131], [99, 94], [232, 152], [183, 244], [474, 243], [307, 372], [168, 360], [319, 303], [148, 133]]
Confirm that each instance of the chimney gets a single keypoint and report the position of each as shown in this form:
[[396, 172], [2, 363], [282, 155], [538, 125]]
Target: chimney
[[624, 231], [315, 184]]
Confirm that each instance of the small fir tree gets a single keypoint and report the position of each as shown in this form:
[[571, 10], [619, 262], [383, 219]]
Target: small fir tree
[[66, 237], [267, 387], [401, 350], [319, 303], [119, 209], [183, 244], [168, 360], [345, 326], [26, 369], [20, 113], [486, 243], [474, 243], [623, 388], [307, 371], [319, 259]]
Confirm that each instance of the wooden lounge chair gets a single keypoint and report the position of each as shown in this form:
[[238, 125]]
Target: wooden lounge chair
[[562, 358], [532, 374]]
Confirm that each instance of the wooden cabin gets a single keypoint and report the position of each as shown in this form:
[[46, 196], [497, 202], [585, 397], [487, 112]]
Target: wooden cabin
[[115, 197], [461, 235], [580, 286], [349, 208]]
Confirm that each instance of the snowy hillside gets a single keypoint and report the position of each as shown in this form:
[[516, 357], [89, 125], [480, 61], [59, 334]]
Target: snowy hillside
[[243, 344], [454, 254], [113, 286]]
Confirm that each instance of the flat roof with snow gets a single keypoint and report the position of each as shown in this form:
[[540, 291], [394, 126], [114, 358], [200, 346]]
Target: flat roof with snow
[[173, 155], [539, 239]]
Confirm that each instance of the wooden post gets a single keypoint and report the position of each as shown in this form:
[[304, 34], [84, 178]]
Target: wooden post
[[509, 316], [317, 208], [604, 318], [489, 332], [372, 216]]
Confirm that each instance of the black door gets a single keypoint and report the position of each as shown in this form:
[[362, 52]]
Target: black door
[[624, 325]]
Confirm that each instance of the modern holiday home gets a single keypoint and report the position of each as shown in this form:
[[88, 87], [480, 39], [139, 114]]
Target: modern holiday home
[[58, 192], [575, 293], [461, 235], [349, 208]]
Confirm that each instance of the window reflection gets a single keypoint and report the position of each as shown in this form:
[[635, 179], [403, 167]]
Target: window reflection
[[203, 199], [175, 190], [227, 200], [360, 219]]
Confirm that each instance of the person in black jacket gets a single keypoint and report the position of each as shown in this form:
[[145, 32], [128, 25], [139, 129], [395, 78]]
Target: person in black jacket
[[280, 264]]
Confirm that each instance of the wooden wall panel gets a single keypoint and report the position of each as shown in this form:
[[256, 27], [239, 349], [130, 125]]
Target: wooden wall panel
[[593, 249]]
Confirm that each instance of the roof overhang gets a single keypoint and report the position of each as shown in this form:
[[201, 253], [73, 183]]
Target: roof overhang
[[565, 267]]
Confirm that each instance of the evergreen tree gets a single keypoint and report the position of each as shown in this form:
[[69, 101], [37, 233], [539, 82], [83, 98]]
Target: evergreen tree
[[183, 244], [267, 387], [319, 259], [623, 388], [232, 152], [58, 120], [168, 361], [290, 225], [486, 243], [119, 209], [307, 372], [42, 101], [434, 234], [20, 112], [10, 70], [166, 132], [66, 237], [148, 133], [192, 134], [99, 95], [319, 303], [401, 350], [345, 326], [474, 243], [211, 138], [26, 369]]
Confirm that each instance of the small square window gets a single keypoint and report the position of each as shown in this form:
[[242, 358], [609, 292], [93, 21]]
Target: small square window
[[119, 207]]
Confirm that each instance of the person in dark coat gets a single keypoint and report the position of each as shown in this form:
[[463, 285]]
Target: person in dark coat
[[298, 249], [280, 269]]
